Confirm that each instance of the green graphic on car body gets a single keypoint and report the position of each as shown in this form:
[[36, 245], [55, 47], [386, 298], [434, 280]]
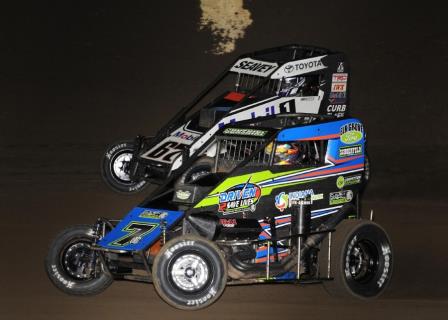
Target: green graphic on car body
[[256, 178], [340, 182]]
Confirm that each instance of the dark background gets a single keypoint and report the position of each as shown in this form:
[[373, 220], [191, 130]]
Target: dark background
[[78, 75]]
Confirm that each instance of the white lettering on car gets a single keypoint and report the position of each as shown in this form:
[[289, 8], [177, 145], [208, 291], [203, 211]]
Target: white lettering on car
[[65, 282], [196, 302], [170, 251], [385, 249]]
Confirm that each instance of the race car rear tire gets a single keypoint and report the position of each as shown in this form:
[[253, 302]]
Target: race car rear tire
[[361, 260], [367, 169], [189, 273], [114, 169], [67, 259], [198, 169]]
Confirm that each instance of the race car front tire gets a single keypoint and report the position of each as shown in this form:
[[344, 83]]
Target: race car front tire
[[68, 260], [361, 260], [189, 273], [115, 169]]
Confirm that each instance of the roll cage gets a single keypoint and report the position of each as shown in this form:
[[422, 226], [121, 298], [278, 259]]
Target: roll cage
[[163, 194], [247, 84]]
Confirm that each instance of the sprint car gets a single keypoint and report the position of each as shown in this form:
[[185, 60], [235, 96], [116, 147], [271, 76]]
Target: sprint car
[[273, 199], [279, 81]]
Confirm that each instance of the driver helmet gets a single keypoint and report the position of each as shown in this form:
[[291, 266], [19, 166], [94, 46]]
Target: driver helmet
[[291, 86], [285, 153]]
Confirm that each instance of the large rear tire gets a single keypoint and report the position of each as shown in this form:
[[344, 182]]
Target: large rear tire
[[202, 167], [189, 273], [68, 263], [361, 260]]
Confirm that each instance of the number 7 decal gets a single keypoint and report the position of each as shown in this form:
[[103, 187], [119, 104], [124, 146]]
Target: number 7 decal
[[135, 232]]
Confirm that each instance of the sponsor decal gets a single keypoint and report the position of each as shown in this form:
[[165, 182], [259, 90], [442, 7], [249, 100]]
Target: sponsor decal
[[135, 240], [138, 185], [307, 98], [239, 198], [112, 151], [351, 132], [316, 197], [183, 194], [298, 67], [336, 108], [339, 82], [284, 105], [170, 147], [65, 282], [351, 180], [342, 181], [306, 66], [341, 67], [228, 223], [153, 214], [302, 194], [338, 87], [168, 253], [338, 97], [185, 135], [289, 68], [350, 151], [385, 250], [196, 302], [340, 197], [245, 132], [348, 256], [254, 67], [340, 77], [284, 201]]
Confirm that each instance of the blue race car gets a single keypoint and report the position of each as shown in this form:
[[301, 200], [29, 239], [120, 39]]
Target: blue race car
[[272, 198]]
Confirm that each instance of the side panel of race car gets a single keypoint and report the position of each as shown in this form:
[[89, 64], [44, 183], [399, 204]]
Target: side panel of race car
[[170, 147], [282, 225], [268, 193], [331, 184], [332, 99], [265, 108], [334, 80], [139, 229]]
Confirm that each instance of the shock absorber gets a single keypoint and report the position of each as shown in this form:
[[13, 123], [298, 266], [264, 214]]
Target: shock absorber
[[301, 225], [91, 267], [136, 169]]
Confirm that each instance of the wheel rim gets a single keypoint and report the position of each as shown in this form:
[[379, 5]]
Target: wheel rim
[[76, 261], [190, 272], [363, 261], [120, 166]]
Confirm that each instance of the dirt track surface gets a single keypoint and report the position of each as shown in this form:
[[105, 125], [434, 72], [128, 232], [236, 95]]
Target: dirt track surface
[[77, 77], [418, 288]]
